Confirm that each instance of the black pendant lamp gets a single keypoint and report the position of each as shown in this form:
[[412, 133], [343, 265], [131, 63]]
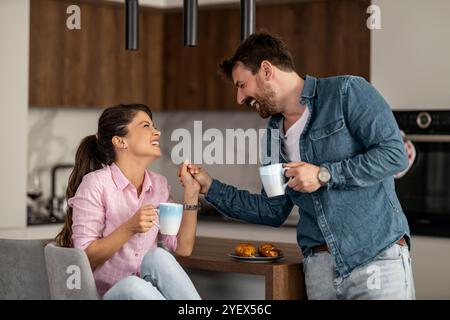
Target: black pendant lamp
[[131, 24], [248, 18], [190, 23]]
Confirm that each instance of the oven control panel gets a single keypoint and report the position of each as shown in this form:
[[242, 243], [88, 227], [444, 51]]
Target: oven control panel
[[424, 122]]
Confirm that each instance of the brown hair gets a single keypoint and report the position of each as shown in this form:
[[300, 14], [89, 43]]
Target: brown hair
[[254, 50], [96, 151]]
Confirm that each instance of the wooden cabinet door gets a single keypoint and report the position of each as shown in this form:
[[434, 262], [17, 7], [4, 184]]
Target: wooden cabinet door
[[90, 67], [192, 82]]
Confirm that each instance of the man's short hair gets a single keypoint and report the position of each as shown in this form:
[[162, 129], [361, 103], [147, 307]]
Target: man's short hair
[[254, 50]]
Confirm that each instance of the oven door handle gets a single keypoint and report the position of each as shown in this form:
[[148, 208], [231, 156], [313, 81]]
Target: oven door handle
[[428, 137]]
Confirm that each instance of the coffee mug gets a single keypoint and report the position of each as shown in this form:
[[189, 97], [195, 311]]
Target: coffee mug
[[273, 178], [170, 216]]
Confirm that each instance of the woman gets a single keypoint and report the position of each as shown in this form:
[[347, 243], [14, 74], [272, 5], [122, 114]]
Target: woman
[[113, 197]]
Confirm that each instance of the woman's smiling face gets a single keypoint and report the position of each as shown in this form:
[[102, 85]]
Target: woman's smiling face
[[143, 138]]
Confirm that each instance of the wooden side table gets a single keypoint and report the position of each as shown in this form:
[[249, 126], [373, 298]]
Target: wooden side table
[[284, 279]]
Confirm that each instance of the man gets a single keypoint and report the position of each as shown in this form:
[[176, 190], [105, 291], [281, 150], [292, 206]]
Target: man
[[341, 146]]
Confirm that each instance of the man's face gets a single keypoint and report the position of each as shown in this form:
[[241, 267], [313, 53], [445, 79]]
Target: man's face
[[254, 91]]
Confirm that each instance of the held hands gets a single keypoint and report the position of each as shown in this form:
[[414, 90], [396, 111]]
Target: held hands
[[143, 220], [303, 176], [188, 182], [201, 177]]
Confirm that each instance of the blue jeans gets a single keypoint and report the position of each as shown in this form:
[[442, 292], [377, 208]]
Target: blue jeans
[[161, 278], [387, 277]]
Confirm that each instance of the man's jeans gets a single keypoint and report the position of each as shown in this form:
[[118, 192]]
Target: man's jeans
[[388, 277], [161, 278]]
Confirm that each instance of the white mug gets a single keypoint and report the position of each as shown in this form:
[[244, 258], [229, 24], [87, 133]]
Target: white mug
[[272, 178], [170, 216]]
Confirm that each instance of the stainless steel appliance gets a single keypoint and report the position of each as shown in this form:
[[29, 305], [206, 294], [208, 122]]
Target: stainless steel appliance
[[424, 191]]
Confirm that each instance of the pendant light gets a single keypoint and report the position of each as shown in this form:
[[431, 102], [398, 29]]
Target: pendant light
[[131, 24], [248, 18], [190, 8]]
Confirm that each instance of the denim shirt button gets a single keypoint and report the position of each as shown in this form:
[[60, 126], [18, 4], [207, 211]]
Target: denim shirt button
[[317, 202], [303, 101]]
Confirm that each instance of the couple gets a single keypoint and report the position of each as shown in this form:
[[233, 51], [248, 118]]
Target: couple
[[340, 143]]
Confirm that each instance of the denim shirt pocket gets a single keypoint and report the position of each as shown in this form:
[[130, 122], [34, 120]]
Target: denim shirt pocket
[[331, 142]]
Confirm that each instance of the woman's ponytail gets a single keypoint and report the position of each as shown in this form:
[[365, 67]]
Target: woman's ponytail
[[87, 159]]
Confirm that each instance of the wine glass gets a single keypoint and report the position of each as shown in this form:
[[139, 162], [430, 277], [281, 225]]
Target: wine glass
[[34, 192]]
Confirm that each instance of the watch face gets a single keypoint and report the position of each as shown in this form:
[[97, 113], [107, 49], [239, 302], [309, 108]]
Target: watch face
[[324, 175]]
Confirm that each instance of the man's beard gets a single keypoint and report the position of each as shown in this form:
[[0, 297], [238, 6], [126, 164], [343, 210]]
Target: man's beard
[[265, 103]]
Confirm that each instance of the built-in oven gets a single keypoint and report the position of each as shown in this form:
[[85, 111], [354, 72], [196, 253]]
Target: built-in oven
[[424, 191]]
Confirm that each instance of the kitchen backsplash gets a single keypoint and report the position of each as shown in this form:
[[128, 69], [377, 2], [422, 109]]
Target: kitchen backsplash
[[54, 135]]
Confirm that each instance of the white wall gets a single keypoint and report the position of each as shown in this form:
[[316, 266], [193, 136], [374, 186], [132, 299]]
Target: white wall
[[14, 38], [411, 53], [410, 66]]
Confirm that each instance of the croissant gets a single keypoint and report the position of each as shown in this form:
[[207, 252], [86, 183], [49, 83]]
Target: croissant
[[268, 250], [245, 250]]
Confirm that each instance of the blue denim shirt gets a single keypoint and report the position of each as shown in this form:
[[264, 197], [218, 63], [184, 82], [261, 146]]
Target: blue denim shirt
[[353, 133]]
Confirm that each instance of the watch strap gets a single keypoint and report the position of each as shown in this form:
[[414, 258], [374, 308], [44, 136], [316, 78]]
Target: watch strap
[[192, 206]]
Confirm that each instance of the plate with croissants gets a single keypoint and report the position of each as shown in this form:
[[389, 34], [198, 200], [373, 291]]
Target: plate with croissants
[[247, 252]]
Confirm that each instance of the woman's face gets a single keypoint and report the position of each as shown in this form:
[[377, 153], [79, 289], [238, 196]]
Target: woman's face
[[143, 138]]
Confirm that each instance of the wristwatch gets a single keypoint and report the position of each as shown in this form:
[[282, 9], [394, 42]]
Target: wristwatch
[[193, 207], [324, 176]]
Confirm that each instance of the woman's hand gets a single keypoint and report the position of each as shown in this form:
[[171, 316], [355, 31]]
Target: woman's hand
[[188, 182], [143, 220]]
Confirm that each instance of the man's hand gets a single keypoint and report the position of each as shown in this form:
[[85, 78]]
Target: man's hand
[[202, 177], [303, 176]]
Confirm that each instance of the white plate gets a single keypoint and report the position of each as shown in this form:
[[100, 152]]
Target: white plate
[[255, 259]]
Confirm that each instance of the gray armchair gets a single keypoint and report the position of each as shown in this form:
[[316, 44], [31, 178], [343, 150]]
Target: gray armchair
[[23, 272], [41, 270], [69, 274]]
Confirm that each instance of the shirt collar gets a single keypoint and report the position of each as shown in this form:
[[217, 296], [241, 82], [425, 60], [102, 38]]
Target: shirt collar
[[309, 87], [147, 182], [122, 182]]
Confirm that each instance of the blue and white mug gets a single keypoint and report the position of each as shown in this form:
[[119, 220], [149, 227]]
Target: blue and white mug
[[170, 216]]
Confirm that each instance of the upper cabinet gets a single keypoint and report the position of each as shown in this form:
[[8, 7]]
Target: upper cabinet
[[90, 67]]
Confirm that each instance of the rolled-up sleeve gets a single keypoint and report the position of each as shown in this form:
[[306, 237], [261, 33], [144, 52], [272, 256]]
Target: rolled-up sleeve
[[88, 212], [168, 241]]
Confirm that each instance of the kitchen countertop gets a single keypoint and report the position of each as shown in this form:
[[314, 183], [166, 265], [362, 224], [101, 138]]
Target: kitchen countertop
[[215, 229]]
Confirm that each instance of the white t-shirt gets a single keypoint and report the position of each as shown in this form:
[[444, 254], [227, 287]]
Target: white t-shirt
[[290, 140]]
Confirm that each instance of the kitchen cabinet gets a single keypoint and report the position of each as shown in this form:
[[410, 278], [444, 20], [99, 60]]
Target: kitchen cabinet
[[325, 38], [90, 67]]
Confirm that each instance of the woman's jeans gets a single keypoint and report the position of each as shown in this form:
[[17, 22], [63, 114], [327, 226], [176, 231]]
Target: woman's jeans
[[388, 277], [161, 278]]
